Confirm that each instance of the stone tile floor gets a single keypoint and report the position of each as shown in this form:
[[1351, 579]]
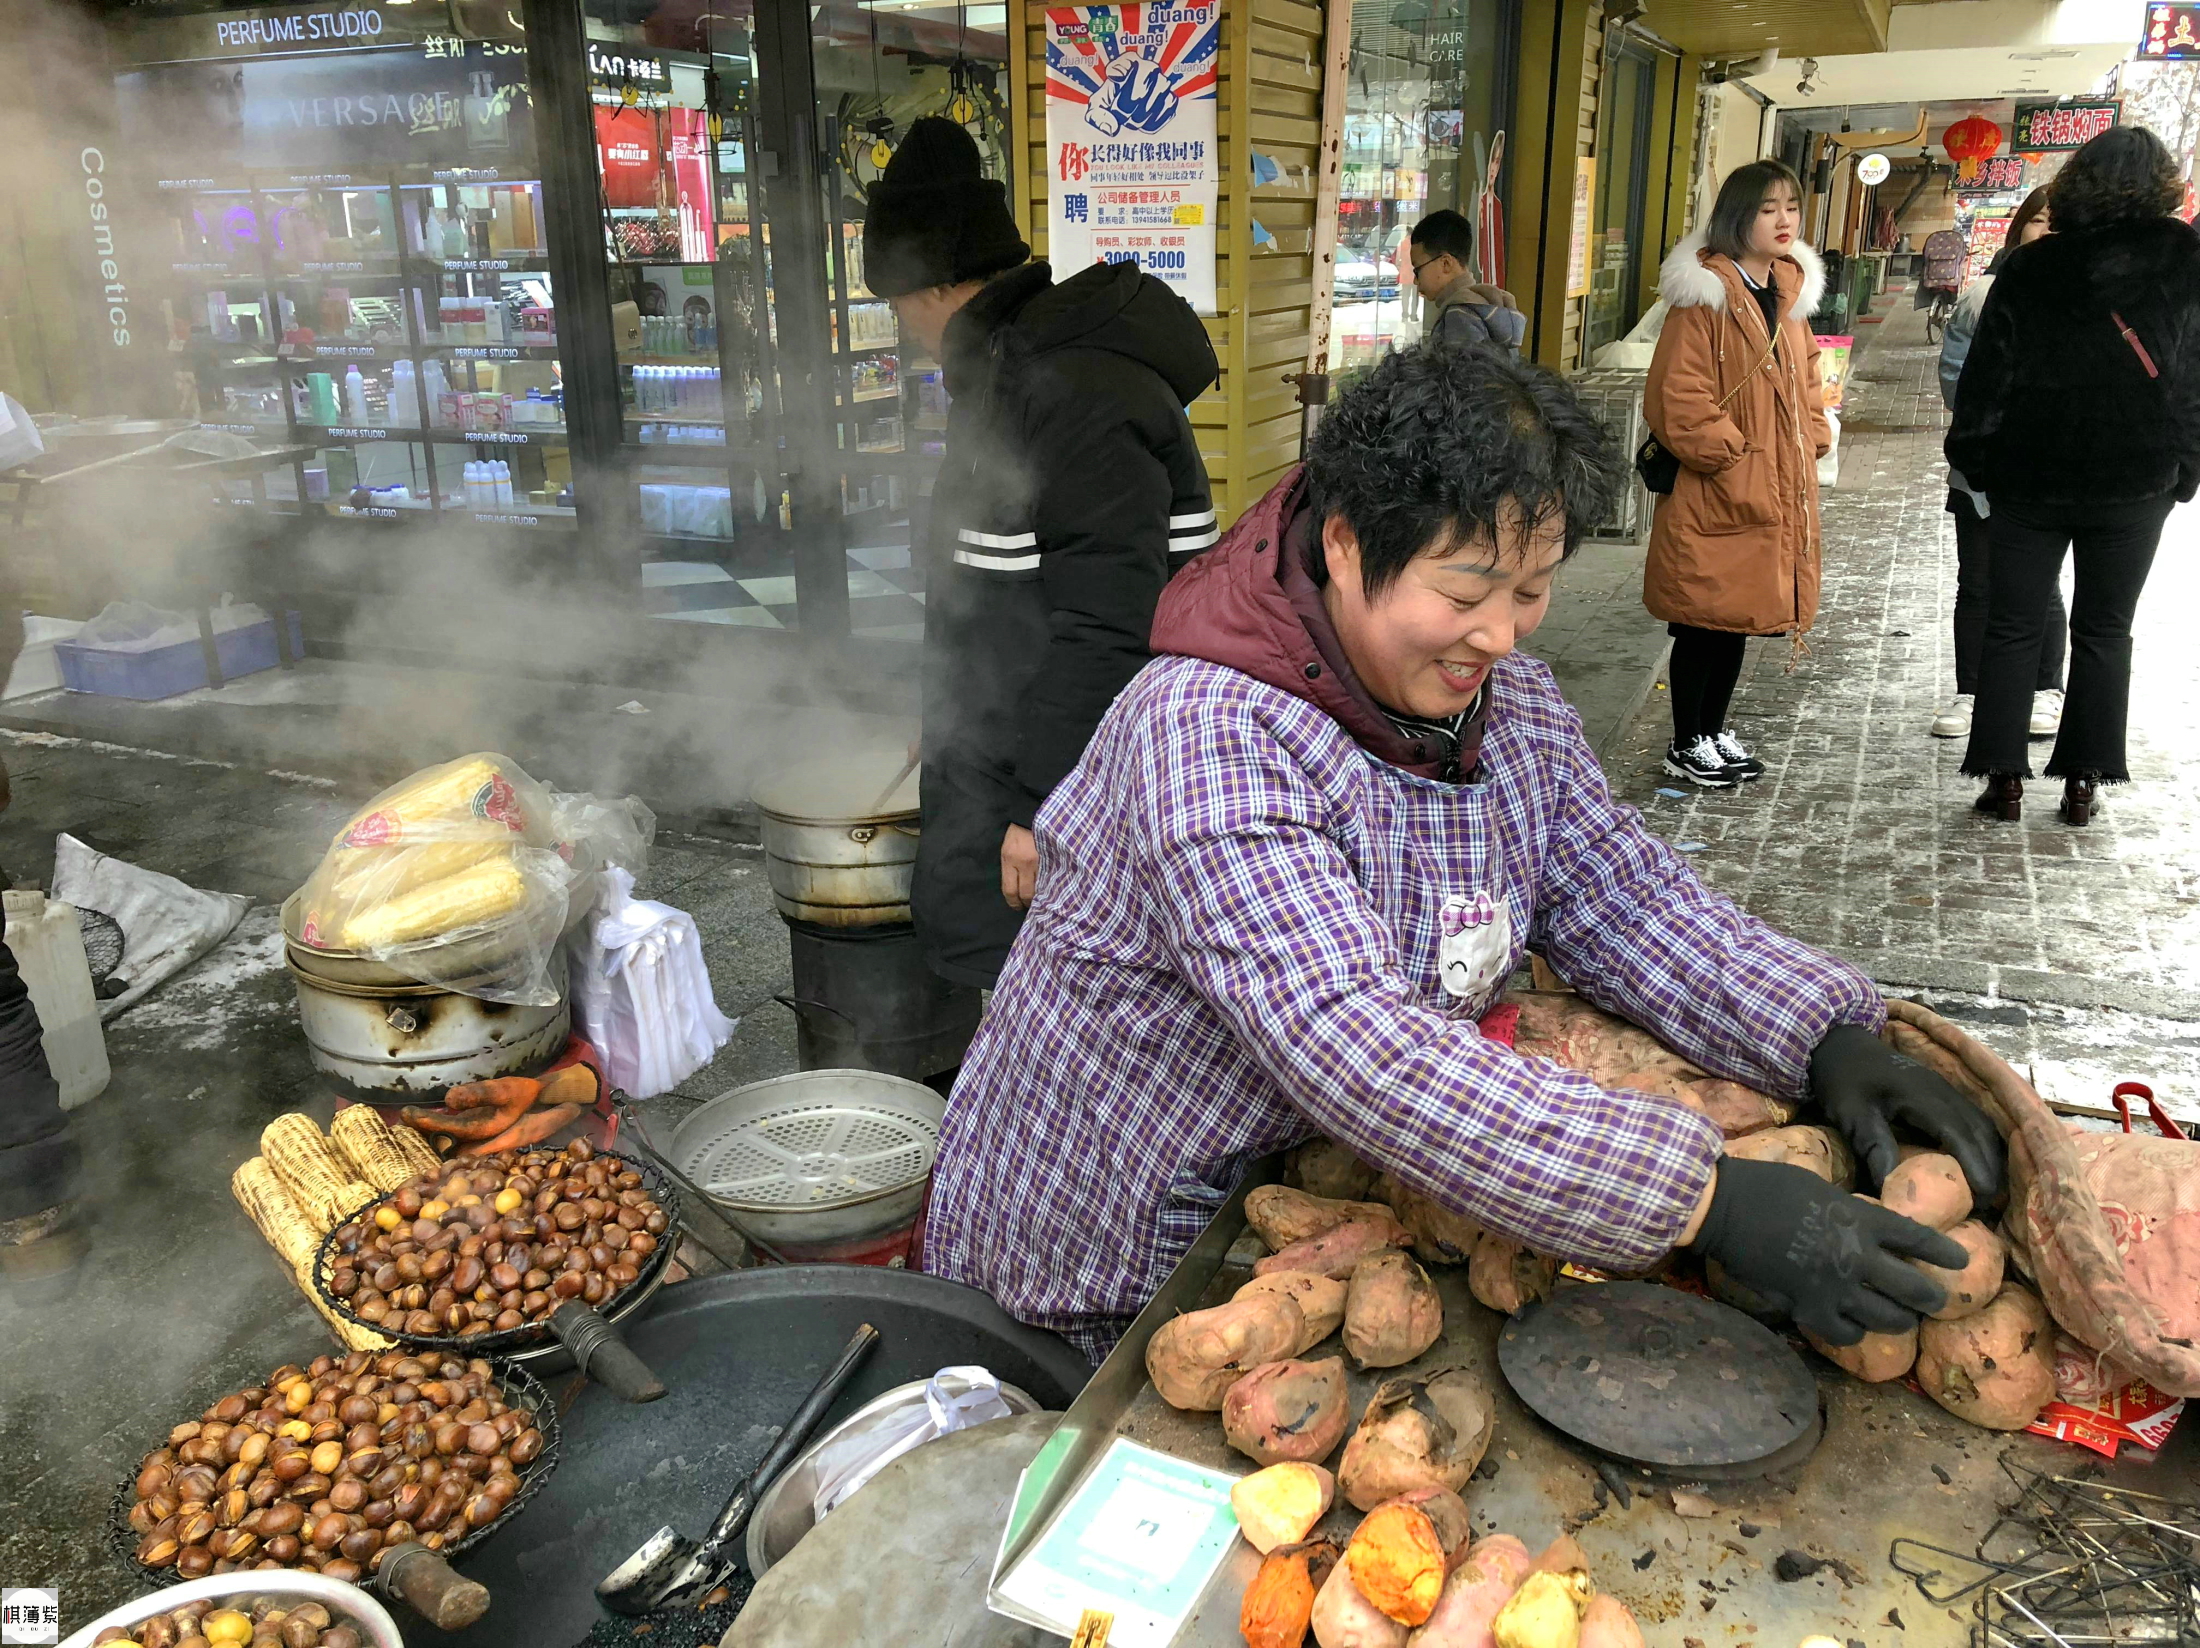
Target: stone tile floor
[[1860, 838]]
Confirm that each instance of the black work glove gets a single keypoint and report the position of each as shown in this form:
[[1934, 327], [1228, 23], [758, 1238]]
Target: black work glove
[[1831, 1260], [1864, 1085]]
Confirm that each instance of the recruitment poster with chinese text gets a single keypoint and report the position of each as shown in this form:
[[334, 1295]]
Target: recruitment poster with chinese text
[[1133, 164]]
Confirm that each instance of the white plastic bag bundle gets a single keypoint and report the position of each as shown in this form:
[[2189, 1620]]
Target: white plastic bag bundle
[[955, 1399], [641, 992], [20, 441]]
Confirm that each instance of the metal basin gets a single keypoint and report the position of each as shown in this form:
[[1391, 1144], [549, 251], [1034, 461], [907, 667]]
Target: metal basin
[[821, 1156], [783, 1515], [836, 855]]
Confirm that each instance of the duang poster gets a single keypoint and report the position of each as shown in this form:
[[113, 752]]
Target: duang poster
[[1133, 163]]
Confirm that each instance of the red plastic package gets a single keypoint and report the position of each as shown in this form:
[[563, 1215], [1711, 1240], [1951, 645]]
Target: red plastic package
[[2101, 1406]]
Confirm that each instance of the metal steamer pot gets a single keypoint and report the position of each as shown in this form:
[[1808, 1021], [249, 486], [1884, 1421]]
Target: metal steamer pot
[[838, 855], [382, 1037]]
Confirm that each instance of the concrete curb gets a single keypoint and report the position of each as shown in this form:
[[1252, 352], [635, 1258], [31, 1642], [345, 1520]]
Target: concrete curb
[[1903, 969]]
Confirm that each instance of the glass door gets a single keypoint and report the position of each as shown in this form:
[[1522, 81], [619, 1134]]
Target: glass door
[[1623, 174]]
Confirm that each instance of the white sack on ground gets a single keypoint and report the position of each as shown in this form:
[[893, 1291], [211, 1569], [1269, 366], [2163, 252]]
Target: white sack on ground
[[166, 926]]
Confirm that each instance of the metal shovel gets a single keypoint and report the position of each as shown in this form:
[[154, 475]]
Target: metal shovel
[[673, 1571]]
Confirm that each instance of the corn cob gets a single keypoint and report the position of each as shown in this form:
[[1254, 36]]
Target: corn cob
[[312, 1170], [373, 1149], [418, 1151], [480, 895], [274, 1211]]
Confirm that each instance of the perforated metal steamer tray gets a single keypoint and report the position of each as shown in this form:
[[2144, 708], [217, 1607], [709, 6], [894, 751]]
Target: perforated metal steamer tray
[[818, 1156]]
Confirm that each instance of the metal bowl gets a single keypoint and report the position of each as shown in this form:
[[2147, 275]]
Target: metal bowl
[[819, 1156], [783, 1515], [346, 1601]]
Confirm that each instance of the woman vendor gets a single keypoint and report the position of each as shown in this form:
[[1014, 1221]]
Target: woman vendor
[[1301, 858]]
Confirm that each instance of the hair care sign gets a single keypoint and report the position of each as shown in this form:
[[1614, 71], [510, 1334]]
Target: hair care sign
[[1133, 163]]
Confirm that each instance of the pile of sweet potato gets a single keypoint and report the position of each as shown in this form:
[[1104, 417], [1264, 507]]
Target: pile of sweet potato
[[486, 1118], [1411, 1576]]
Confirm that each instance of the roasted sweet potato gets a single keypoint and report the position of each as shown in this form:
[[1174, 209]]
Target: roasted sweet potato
[[1728, 1291], [1929, 1188], [1417, 1433], [1545, 1612], [1281, 1504], [1819, 1149], [1280, 1216], [1995, 1367], [1322, 1167], [1320, 1300], [1503, 1557], [1875, 1358], [1615, 1054], [1391, 1311], [1440, 1236], [1278, 1607], [1336, 1250], [1563, 1555], [1398, 1562], [1507, 1277], [1287, 1410], [1345, 1619], [1608, 1624], [1973, 1287], [1195, 1359]]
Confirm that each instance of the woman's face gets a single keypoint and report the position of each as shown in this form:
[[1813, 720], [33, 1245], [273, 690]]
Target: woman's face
[[1428, 642], [2036, 228], [1779, 219]]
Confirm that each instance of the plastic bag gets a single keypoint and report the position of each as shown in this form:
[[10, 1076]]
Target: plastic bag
[[641, 991], [20, 440], [465, 876], [954, 1400]]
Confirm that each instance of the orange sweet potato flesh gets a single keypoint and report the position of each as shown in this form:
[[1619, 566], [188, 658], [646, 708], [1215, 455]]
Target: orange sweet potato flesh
[[1280, 1216], [1320, 1300], [1391, 1311], [1337, 1250], [1278, 1608], [1448, 1515], [1397, 1561], [1194, 1360], [1288, 1411]]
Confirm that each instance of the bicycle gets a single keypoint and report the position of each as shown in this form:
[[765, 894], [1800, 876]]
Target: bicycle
[[1939, 313]]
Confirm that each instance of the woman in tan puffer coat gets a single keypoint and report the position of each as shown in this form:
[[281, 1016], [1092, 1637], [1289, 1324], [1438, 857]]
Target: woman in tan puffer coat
[[1734, 394]]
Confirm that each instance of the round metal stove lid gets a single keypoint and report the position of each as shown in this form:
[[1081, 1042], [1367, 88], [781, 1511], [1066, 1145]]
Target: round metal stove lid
[[813, 1141], [1650, 1374]]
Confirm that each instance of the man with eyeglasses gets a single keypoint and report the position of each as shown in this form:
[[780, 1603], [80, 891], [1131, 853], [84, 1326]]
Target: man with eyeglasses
[[1460, 310]]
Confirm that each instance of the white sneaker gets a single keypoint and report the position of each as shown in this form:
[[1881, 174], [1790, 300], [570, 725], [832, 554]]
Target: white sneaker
[[2047, 710], [1955, 720]]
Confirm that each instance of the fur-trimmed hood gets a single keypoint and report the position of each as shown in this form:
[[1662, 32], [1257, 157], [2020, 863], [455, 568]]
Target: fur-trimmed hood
[[1685, 281]]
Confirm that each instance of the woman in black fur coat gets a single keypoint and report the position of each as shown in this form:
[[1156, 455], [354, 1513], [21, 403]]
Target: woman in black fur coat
[[2078, 415]]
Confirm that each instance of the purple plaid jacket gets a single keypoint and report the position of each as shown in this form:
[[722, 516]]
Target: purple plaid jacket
[[1235, 948]]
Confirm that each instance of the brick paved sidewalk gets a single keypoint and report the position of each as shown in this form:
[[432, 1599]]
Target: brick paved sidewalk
[[1860, 837]]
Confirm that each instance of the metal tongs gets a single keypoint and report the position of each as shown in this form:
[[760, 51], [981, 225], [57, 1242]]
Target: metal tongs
[[673, 1571]]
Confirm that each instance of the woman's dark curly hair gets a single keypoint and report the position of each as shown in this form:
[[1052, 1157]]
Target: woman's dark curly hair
[[1435, 448], [2122, 174]]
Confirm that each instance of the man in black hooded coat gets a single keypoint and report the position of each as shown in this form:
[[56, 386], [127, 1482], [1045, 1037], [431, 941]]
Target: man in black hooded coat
[[1071, 489]]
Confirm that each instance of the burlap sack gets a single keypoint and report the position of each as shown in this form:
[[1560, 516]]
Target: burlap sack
[[2122, 1277]]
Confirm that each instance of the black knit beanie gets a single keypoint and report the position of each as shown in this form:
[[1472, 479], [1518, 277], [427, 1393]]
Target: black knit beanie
[[935, 218]]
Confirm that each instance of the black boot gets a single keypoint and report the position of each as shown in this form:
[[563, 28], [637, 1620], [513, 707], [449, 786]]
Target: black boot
[[2003, 798], [2081, 795]]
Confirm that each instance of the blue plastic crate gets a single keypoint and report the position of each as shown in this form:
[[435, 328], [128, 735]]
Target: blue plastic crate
[[166, 671]]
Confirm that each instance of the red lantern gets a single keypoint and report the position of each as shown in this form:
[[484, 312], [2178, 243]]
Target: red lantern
[[1970, 141]]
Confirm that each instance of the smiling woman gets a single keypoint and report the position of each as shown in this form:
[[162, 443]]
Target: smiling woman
[[1301, 857]]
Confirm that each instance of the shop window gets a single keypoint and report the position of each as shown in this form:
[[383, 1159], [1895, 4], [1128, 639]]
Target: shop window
[[348, 254], [1424, 110], [1619, 225]]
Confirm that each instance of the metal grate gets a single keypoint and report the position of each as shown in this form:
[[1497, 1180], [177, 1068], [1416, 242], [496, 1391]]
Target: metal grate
[[813, 1154]]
